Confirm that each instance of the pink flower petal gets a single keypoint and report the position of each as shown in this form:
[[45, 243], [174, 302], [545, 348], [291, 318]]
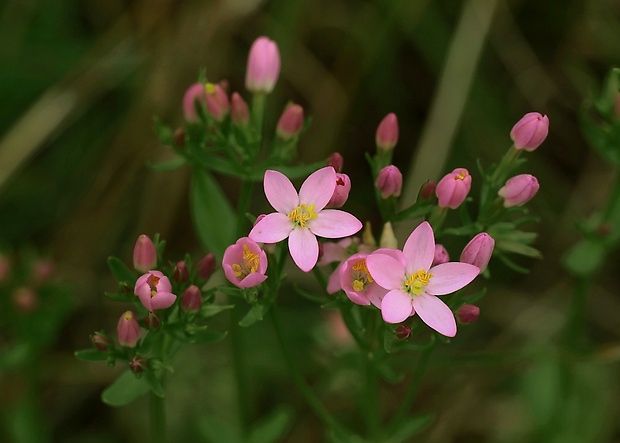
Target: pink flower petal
[[143, 291], [450, 277], [280, 192], [304, 248], [253, 279], [145, 299], [162, 300], [388, 272], [230, 274], [333, 223], [419, 249], [435, 313], [333, 284], [357, 297], [375, 294], [396, 306], [272, 228], [318, 188]]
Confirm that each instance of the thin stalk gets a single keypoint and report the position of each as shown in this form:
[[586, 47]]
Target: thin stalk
[[371, 385], [157, 409], [258, 113]]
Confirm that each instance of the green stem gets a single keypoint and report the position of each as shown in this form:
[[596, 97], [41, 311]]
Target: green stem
[[244, 403], [157, 409], [371, 387], [243, 206], [258, 113]]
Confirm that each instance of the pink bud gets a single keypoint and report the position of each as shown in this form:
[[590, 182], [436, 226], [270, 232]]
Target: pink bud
[[403, 332], [335, 161], [291, 121], [427, 190], [180, 273], [387, 133], [128, 330], [529, 132], [217, 101], [441, 255], [263, 66], [144, 254], [478, 251], [467, 314], [239, 110], [191, 300], [101, 341], [341, 191], [137, 365], [206, 266], [519, 190], [453, 188], [389, 181], [25, 299], [195, 93], [152, 320]]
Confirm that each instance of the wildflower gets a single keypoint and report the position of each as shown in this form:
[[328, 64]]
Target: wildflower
[[413, 283], [245, 263], [205, 266], [357, 282], [341, 191], [453, 188], [519, 190], [389, 181], [441, 255], [195, 96], [144, 254], [154, 290], [301, 217], [335, 161], [191, 300], [217, 101], [263, 66], [180, 273], [290, 123], [387, 133], [128, 330], [468, 314], [529, 132], [478, 251]]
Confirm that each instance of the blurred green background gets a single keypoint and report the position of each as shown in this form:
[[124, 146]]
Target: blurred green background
[[82, 80]]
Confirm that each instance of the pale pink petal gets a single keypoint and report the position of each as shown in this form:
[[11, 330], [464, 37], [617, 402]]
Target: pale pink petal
[[162, 300], [388, 272], [318, 188], [375, 293], [450, 277], [230, 274], [357, 297], [419, 248], [331, 252], [333, 284], [280, 192], [143, 291], [396, 306], [435, 314], [394, 253], [304, 248], [333, 223], [253, 279], [164, 285], [145, 299], [272, 228]]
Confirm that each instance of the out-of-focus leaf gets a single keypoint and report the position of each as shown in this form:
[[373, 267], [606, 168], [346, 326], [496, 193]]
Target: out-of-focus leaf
[[121, 271], [273, 428], [125, 389], [169, 165], [210, 310], [118, 296], [585, 258], [256, 313], [410, 427], [154, 383], [91, 355], [214, 431]]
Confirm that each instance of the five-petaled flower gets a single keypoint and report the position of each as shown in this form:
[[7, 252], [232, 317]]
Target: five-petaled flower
[[301, 217], [245, 263], [155, 291], [413, 284]]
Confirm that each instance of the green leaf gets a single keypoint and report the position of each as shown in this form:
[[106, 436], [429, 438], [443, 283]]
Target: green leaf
[[214, 431], [119, 296], [311, 296], [121, 271], [213, 215], [411, 427], [208, 311], [169, 165], [91, 355], [164, 132], [154, 383], [207, 336], [585, 258], [273, 428], [256, 313], [125, 389]]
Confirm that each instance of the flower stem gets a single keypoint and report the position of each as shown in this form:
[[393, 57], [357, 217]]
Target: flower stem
[[157, 409], [258, 112], [371, 386]]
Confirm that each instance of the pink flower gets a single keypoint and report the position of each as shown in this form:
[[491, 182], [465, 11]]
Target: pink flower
[[413, 283], [245, 263], [195, 96], [339, 252], [217, 101], [144, 254], [191, 300], [335, 161], [263, 66], [387, 133], [205, 267], [478, 251], [529, 132], [301, 217], [155, 291], [453, 188], [341, 191], [291, 121], [519, 190], [468, 314], [441, 255], [128, 330], [389, 181]]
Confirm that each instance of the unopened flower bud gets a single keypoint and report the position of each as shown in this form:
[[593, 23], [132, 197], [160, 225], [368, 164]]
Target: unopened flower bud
[[128, 330], [388, 238], [180, 273], [519, 190], [389, 181], [478, 251], [403, 332], [191, 300], [529, 132], [387, 133], [263, 66], [468, 314], [341, 191], [217, 101], [453, 188], [290, 123], [239, 110], [137, 365], [441, 255], [335, 161], [151, 321], [205, 267], [25, 299], [101, 341], [179, 137], [427, 191], [195, 96], [144, 254]]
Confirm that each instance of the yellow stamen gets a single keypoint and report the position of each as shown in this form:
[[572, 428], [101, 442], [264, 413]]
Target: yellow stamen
[[152, 282], [210, 88], [416, 282], [361, 275], [249, 263], [461, 176], [301, 214], [358, 285]]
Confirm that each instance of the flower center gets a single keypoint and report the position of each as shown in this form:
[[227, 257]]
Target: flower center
[[416, 282], [152, 281], [301, 214], [210, 88], [249, 263], [461, 176], [361, 275]]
